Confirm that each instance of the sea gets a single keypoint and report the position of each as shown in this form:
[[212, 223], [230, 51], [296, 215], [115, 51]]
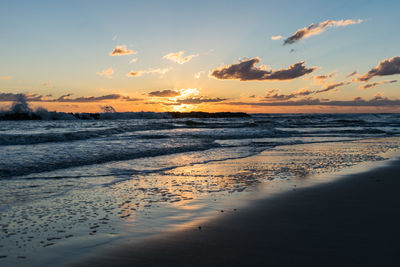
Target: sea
[[69, 186]]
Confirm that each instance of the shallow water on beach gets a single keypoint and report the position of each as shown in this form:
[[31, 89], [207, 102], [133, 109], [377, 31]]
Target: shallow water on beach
[[60, 198]]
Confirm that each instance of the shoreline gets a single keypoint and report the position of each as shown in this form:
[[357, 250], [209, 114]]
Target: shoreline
[[352, 221]]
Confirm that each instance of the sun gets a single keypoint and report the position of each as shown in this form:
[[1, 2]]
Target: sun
[[183, 108], [184, 93]]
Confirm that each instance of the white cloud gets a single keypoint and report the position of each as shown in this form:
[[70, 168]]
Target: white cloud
[[276, 37], [198, 74], [121, 50], [106, 73], [178, 57], [139, 73]]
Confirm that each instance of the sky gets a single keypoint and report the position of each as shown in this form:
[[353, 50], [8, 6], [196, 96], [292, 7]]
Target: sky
[[250, 56]]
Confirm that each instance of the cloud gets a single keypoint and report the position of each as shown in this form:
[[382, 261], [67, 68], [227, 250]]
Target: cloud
[[134, 73], [149, 71], [165, 93], [133, 60], [332, 86], [178, 57], [372, 85], [9, 97], [198, 74], [166, 103], [315, 29], [384, 68], [121, 50], [200, 100], [185, 101], [106, 73], [354, 73], [272, 95], [5, 78], [85, 99], [302, 92], [324, 77], [65, 98], [162, 103], [276, 37], [321, 79], [188, 93], [131, 99], [246, 70], [376, 101]]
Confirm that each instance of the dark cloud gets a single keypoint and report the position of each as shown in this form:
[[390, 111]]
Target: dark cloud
[[384, 68], [165, 93], [10, 97], [354, 73], [193, 101], [131, 99], [330, 87], [247, 70], [372, 85], [303, 92], [34, 97], [65, 98], [278, 97], [376, 101], [318, 28], [272, 95], [324, 77]]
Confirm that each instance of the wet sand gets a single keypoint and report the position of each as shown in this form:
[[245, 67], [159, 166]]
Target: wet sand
[[353, 221]]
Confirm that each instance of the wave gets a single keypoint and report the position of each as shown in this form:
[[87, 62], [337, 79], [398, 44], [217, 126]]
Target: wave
[[23, 168], [360, 132], [161, 130], [145, 130], [43, 114], [38, 138]]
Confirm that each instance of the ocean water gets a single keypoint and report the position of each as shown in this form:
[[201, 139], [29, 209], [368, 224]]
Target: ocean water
[[70, 185]]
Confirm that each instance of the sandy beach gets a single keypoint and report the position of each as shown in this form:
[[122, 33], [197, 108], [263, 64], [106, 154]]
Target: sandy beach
[[353, 221]]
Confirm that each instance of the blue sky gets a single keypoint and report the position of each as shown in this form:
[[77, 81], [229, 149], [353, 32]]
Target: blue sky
[[57, 47]]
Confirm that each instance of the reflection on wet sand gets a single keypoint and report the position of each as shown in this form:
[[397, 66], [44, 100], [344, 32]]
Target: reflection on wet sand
[[148, 203]]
